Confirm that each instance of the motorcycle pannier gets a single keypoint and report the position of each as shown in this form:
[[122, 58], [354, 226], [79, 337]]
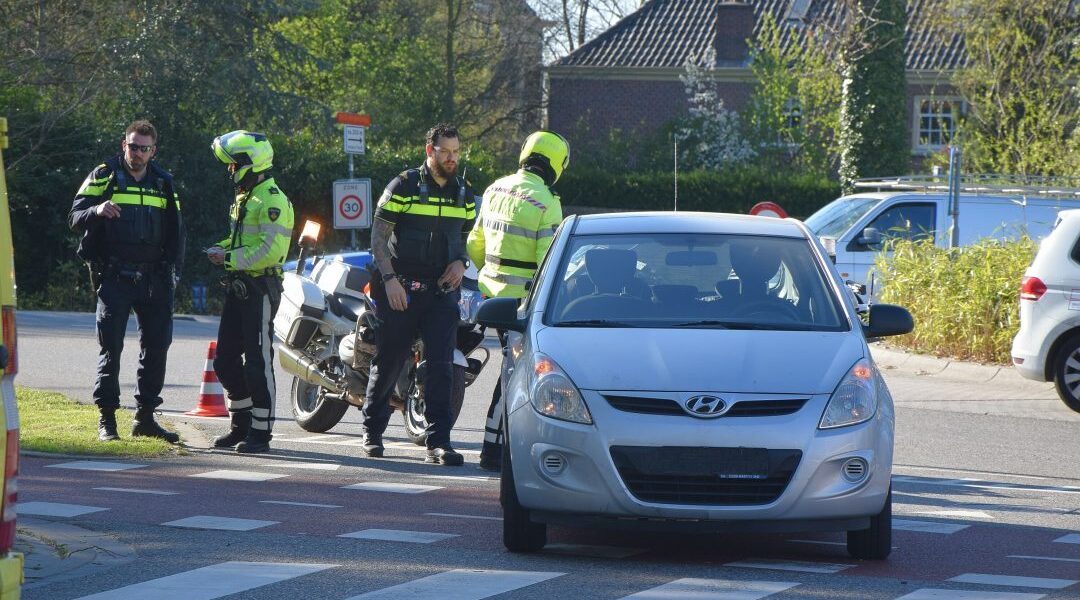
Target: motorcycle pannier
[[298, 300]]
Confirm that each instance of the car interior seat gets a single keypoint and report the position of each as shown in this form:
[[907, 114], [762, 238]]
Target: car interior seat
[[612, 272]]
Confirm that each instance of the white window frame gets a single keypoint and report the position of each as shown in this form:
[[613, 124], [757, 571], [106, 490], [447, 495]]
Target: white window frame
[[917, 145]]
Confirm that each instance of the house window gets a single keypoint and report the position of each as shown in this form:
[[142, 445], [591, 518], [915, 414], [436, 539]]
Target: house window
[[798, 10], [935, 122]]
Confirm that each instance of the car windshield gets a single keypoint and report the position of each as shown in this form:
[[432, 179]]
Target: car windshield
[[717, 281], [839, 215]]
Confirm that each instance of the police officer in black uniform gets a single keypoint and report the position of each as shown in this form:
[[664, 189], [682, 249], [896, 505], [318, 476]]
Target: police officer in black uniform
[[133, 240], [418, 245]]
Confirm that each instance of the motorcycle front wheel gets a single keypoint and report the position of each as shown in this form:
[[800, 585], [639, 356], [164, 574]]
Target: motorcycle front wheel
[[312, 411], [416, 424]]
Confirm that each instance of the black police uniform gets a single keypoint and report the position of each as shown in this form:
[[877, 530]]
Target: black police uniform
[[132, 261], [431, 225]]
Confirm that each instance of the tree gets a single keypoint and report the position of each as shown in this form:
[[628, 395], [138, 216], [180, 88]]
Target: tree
[[873, 139], [572, 23], [712, 135]]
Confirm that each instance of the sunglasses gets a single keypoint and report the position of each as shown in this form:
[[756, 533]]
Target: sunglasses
[[139, 147]]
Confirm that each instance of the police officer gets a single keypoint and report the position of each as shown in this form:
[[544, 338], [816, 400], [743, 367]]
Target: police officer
[[133, 240], [418, 245], [262, 223], [517, 220]]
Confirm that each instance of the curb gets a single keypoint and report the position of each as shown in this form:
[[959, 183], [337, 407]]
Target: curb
[[59, 551], [950, 369]]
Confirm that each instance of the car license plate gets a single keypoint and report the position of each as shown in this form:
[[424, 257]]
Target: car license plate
[[723, 463]]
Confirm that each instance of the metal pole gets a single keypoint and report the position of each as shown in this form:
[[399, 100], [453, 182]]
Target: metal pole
[[954, 196], [352, 232]]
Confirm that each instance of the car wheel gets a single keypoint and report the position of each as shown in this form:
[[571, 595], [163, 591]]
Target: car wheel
[[520, 534], [874, 543], [1067, 371]]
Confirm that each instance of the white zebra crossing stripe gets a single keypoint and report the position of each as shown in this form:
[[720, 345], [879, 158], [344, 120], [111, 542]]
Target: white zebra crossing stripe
[[936, 594], [712, 589], [460, 584], [135, 491], [211, 582], [789, 565], [454, 516], [1015, 580], [95, 465], [313, 466], [927, 526], [310, 504], [223, 523], [239, 475], [394, 488], [1071, 538], [955, 514], [395, 535], [55, 509]]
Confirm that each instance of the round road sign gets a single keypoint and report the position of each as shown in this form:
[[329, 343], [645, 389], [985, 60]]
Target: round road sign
[[768, 209], [350, 206]]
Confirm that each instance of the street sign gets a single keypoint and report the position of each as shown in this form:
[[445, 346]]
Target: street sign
[[348, 118], [768, 209], [354, 139], [352, 204]]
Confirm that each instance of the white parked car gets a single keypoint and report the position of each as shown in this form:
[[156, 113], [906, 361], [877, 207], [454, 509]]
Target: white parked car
[[1047, 346], [695, 372]]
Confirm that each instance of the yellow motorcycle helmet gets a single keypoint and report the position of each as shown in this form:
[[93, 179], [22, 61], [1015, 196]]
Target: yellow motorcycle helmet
[[550, 146], [252, 152]]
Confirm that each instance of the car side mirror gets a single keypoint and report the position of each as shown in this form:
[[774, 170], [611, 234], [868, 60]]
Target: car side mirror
[[871, 237], [888, 319], [501, 313]]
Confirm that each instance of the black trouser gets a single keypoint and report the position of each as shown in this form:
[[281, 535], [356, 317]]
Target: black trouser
[[151, 296], [493, 429], [435, 315], [245, 354]]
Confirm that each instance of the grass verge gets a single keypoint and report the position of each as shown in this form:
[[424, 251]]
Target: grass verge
[[50, 422]]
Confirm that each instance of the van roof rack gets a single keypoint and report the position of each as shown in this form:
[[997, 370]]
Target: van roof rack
[[986, 184]]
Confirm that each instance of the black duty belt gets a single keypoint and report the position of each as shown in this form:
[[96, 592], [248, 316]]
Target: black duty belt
[[509, 262]]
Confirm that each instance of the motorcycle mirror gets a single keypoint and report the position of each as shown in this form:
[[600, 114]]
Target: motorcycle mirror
[[310, 234]]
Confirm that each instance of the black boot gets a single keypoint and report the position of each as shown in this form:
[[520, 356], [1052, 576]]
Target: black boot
[[371, 445], [256, 442], [144, 425], [241, 425], [106, 430], [445, 455]]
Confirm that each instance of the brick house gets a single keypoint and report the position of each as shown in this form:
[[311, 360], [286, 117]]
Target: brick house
[[628, 76]]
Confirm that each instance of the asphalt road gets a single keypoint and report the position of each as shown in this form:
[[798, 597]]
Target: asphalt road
[[986, 506]]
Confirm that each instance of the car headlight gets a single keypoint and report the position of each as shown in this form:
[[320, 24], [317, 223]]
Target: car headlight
[[854, 400], [554, 395]]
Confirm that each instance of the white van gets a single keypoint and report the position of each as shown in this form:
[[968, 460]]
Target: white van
[[854, 228]]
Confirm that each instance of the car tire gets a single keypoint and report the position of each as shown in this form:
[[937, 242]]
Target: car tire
[[1067, 371], [520, 533], [874, 543]]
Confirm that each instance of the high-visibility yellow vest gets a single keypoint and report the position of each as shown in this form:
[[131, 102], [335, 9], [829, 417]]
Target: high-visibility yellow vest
[[517, 220], [262, 224]]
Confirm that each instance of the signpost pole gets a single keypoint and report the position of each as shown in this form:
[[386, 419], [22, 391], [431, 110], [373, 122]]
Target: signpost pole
[[352, 232]]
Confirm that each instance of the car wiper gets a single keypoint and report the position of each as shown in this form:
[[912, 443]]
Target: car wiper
[[707, 323], [743, 325], [591, 323]]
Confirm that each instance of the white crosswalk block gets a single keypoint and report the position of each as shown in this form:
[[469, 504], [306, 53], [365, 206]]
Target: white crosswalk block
[[239, 475], [55, 509], [389, 486], [95, 465], [927, 526], [460, 584], [396, 535], [223, 523], [936, 594], [138, 491], [790, 565], [211, 582], [712, 589], [1015, 580], [311, 466]]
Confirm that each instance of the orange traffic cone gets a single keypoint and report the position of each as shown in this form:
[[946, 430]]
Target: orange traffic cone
[[211, 395]]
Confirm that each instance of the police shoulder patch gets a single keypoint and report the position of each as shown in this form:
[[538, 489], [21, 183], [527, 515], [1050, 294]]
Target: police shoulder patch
[[273, 213]]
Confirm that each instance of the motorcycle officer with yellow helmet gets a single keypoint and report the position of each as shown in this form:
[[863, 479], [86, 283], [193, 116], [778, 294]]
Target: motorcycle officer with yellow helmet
[[514, 230], [262, 224]]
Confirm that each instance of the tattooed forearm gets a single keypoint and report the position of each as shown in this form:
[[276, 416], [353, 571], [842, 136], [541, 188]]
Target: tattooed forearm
[[380, 245]]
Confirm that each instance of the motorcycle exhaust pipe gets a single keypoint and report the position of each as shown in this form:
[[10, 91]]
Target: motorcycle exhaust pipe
[[304, 368]]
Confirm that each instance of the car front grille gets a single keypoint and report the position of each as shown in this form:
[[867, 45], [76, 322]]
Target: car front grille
[[705, 476], [743, 408]]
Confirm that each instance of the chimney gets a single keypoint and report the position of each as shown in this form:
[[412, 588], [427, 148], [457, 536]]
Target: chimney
[[734, 26]]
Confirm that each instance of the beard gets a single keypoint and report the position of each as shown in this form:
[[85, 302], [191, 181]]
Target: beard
[[444, 171]]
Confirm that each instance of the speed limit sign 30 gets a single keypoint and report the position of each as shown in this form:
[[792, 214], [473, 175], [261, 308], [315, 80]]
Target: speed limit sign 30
[[352, 204]]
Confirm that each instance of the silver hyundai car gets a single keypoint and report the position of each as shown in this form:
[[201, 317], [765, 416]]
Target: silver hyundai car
[[695, 372]]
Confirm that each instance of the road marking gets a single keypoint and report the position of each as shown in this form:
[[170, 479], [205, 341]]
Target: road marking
[[312, 504], [1014, 580], [823, 542], [927, 526], [460, 584], [987, 485], [134, 491], [315, 466], [95, 465], [959, 514], [712, 589], [461, 477], [1075, 560], [222, 523], [936, 594], [790, 565], [396, 535], [394, 488], [592, 551], [1071, 538], [211, 582], [239, 475], [897, 467], [451, 515], [55, 509]]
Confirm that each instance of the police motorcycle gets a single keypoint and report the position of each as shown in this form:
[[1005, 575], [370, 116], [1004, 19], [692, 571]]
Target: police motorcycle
[[325, 338]]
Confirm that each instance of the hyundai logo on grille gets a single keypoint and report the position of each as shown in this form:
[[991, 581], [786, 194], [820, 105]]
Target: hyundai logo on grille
[[705, 406]]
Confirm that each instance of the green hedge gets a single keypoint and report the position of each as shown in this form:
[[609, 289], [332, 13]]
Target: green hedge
[[965, 301], [733, 191]]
